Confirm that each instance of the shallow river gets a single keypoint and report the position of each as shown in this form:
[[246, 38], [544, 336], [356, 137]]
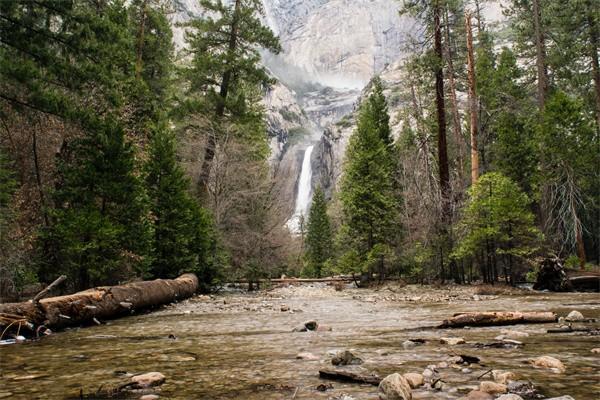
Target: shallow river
[[238, 346]]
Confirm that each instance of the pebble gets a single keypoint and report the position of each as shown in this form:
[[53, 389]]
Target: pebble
[[452, 341]]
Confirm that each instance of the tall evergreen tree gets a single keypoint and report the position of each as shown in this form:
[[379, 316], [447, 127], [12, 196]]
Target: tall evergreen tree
[[170, 206], [100, 231], [225, 60], [319, 237], [367, 193]]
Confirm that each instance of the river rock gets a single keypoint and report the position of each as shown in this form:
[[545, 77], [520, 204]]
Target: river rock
[[549, 362], [323, 328], [414, 379], [284, 308], [394, 387], [307, 326], [452, 341], [307, 356], [522, 388], [503, 377], [575, 316], [596, 350], [562, 398], [346, 357], [492, 387], [478, 395], [150, 397], [147, 380], [427, 373], [510, 396], [409, 344]]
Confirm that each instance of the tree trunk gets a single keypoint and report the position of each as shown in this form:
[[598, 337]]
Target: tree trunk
[[104, 302], [441, 110], [455, 114], [593, 28], [211, 144], [497, 319], [140, 45], [472, 101], [540, 46]]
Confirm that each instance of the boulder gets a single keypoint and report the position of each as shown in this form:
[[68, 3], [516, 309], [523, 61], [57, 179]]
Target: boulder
[[395, 387], [414, 379], [478, 395], [346, 357], [575, 316], [492, 387], [549, 362], [522, 388], [147, 380], [503, 377], [510, 396], [452, 341]]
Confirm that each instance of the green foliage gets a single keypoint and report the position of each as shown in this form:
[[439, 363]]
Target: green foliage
[[369, 203], [100, 231], [497, 220], [319, 235]]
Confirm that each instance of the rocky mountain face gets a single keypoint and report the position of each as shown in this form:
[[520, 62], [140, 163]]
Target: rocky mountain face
[[331, 49]]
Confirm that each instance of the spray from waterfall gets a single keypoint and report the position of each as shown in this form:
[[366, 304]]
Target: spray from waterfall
[[300, 216]]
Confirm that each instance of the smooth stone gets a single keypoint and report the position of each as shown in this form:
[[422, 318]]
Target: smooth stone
[[452, 341], [596, 350], [510, 396], [149, 397], [394, 387], [284, 308], [414, 379], [492, 387], [427, 373], [478, 395], [323, 328], [503, 376], [575, 316], [148, 379], [408, 344], [442, 365], [550, 363], [466, 370], [562, 398]]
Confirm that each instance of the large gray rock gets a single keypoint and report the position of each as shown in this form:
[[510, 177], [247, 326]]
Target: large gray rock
[[395, 387]]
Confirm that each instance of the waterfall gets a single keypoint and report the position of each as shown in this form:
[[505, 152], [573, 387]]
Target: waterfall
[[304, 193]]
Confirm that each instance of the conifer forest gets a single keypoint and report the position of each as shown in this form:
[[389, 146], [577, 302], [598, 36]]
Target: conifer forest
[[300, 199]]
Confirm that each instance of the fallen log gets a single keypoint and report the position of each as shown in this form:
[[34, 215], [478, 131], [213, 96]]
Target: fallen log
[[497, 319], [346, 375], [99, 303]]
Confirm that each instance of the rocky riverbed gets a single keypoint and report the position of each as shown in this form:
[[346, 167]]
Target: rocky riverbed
[[236, 345]]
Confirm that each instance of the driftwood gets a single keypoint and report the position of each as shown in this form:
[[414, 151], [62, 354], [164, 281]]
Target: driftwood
[[347, 375], [497, 319], [99, 303]]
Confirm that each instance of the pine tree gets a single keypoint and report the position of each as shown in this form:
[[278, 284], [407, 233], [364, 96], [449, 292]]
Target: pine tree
[[367, 192], [225, 56], [100, 231], [497, 221], [171, 208], [319, 236]]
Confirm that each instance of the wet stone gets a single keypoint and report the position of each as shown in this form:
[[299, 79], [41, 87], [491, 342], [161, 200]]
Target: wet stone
[[478, 395], [510, 396], [575, 316], [550, 363], [394, 387], [492, 387], [414, 379], [147, 380], [346, 357], [522, 388]]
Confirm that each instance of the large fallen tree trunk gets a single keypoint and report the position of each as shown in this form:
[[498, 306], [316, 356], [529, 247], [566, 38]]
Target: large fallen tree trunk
[[104, 302], [498, 318]]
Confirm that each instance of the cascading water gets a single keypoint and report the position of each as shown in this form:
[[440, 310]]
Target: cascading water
[[294, 224]]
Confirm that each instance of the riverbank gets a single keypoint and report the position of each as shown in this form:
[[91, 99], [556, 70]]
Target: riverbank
[[242, 346]]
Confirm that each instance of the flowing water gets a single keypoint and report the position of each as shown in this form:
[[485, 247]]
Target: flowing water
[[304, 192], [241, 346]]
